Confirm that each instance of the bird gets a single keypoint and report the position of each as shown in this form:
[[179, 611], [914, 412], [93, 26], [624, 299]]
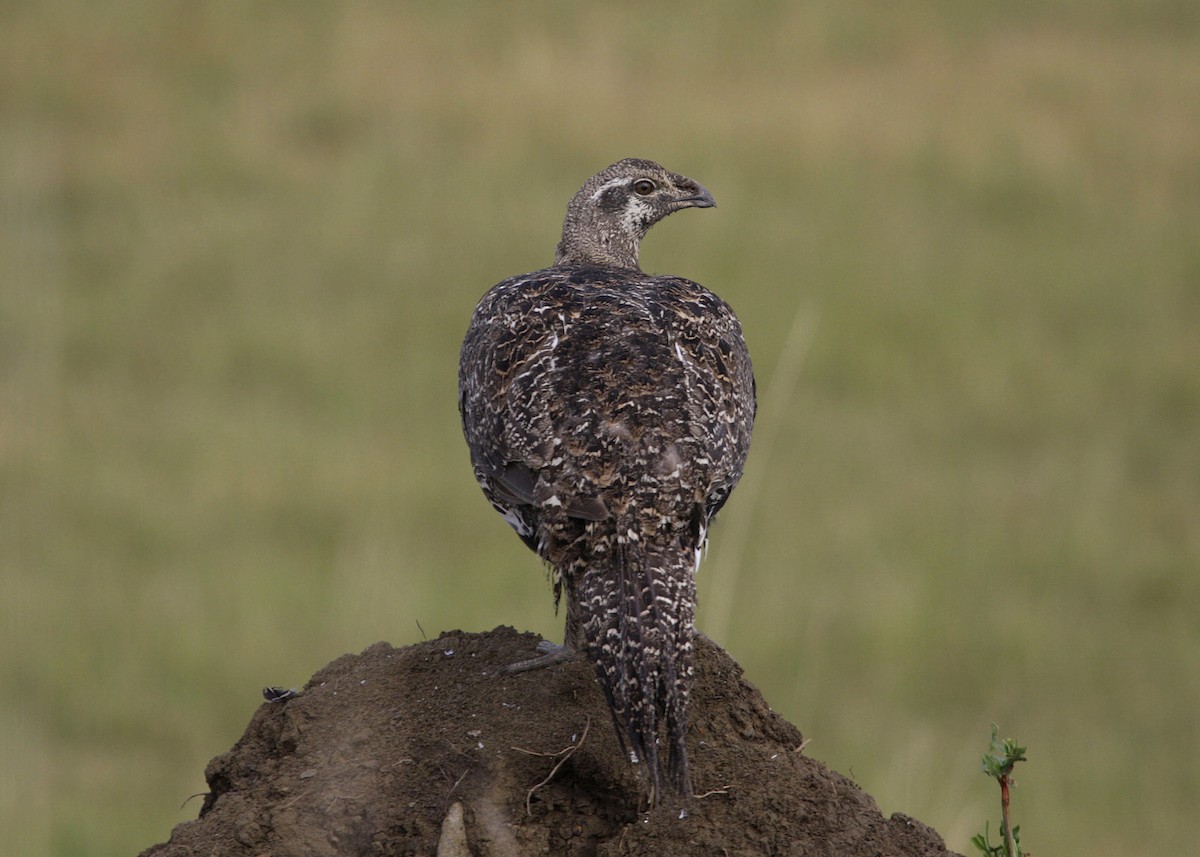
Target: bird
[[608, 414]]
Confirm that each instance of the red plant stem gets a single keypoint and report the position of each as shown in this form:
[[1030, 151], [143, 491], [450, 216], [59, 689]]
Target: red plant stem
[[1010, 844]]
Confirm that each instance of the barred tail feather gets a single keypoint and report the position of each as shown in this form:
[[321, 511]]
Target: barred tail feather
[[639, 635]]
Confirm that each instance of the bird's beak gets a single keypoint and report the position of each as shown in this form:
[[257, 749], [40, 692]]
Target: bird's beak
[[700, 198]]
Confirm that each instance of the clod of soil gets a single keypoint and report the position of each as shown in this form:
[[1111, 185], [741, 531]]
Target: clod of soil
[[426, 750]]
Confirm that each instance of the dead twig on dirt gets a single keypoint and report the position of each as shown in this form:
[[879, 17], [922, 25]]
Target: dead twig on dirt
[[189, 798], [448, 776], [723, 790], [461, 777], [565, 753]]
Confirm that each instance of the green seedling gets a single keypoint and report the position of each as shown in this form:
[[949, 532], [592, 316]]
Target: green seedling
[[998, 764]]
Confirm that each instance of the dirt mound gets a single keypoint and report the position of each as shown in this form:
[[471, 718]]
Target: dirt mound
[[427, 751]]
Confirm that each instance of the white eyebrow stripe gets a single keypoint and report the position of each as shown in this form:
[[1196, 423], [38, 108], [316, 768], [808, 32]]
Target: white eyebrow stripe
[[606, 186]]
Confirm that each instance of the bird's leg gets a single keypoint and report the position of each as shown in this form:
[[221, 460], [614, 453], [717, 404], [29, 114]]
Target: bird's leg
[[551, 653]]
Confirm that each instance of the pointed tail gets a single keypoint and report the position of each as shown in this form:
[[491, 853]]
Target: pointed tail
[[639, 609]]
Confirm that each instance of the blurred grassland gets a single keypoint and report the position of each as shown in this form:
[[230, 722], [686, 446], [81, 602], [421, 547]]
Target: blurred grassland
[[239, 244]]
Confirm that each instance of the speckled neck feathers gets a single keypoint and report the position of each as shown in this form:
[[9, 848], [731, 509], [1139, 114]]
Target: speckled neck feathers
[[610, 215]]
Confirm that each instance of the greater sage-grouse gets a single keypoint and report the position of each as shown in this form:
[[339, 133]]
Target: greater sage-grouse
[[608, 413]]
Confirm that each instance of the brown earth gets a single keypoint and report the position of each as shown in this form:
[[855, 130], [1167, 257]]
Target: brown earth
[[427, 751]]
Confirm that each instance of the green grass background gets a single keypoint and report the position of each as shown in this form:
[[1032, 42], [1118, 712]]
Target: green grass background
[[240, 243]]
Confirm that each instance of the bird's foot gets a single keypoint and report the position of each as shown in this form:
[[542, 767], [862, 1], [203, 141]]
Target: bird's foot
[[551, 654]]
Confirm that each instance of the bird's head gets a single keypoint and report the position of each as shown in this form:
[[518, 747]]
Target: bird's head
[[607, 219]]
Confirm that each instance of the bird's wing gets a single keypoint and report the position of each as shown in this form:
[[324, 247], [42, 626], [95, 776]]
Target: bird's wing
[[565, 371]]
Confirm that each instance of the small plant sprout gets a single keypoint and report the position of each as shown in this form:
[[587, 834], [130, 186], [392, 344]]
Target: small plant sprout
[[998, 764]]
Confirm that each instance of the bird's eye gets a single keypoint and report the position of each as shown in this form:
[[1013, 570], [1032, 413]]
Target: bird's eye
[[643, 187]]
